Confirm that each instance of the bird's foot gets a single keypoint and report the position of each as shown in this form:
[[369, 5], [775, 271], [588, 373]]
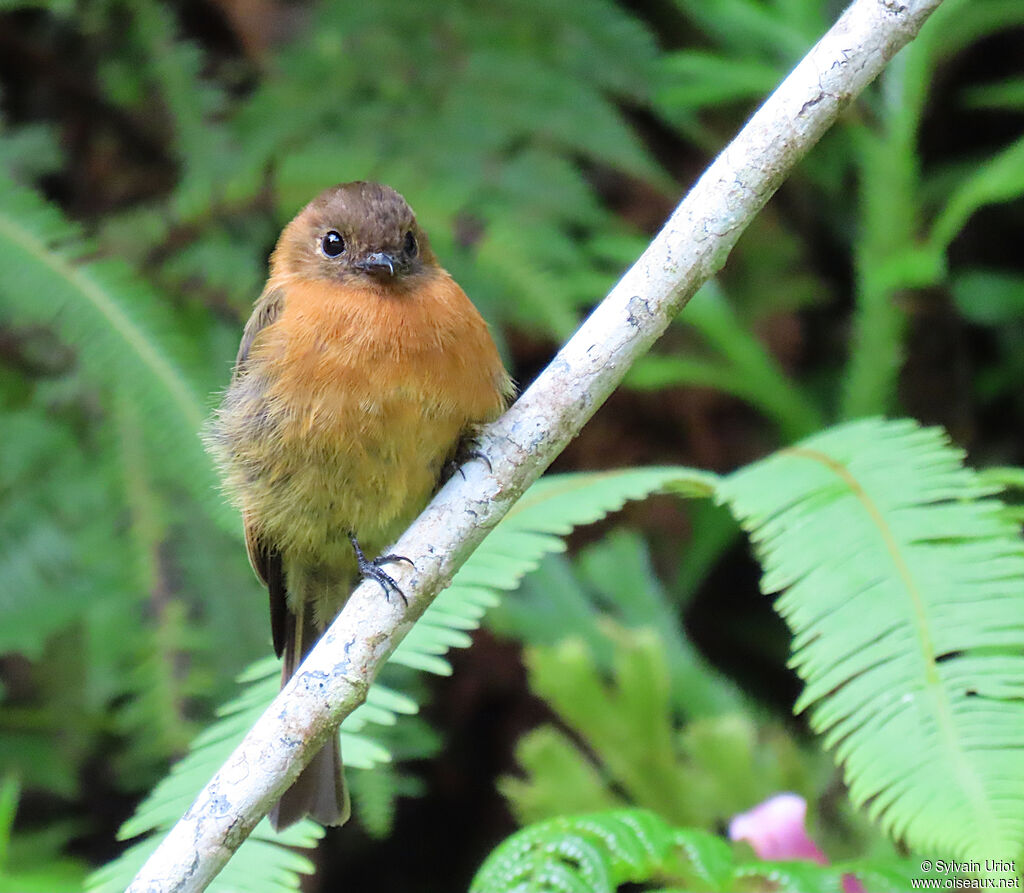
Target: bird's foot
[[371, 570], [467, 450]]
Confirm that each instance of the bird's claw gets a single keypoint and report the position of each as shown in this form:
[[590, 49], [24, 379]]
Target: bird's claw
[[461, 458], [371, 570]]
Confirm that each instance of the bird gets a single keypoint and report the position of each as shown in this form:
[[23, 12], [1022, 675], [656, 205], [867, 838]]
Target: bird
[[362, 377]]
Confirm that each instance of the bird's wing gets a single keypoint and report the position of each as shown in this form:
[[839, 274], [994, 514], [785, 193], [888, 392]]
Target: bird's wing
[[265, 560], [266, 311]]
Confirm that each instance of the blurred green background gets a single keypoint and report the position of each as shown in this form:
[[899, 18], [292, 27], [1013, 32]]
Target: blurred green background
[[150, 153]]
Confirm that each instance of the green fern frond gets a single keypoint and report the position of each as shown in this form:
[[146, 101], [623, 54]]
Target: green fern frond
[[748, 28], [997, 179], [1007, 93], [124, 338], [34, 860], [740, 365], [173, 66], [613, 579], [268, 862], [265, 854], [628, 741], [29, 558], [151, 718], [695, 79], [549, 510], [904, 586], [57, 518], [598, 852], [533, 528], [375, 795]]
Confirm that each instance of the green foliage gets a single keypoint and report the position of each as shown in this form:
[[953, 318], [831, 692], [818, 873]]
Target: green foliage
[[903, 585], [613, 578], [903, 239], [123, 335], [102, 470], [33, 863], [897, 503], [754, 47], [742, 367], [39, 555], [634, 746], [907, 215], [266, 854], [70, 580], [1006, 94], [531, 529], [71, 565], [598, 852]]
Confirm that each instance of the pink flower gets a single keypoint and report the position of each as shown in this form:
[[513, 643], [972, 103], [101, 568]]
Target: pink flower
[[777, 830]]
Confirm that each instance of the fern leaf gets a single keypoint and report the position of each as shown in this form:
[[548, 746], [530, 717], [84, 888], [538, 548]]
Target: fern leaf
[[121, 332], [904, 586], [695, 79], [597, 852], [550, 509], [998, 179], [174, 66], [627, 741], [62, 522]]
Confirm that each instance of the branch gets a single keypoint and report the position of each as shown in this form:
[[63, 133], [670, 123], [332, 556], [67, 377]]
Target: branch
[[692, 246]]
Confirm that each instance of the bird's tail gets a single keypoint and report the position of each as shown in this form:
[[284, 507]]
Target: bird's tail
[[320, 790]]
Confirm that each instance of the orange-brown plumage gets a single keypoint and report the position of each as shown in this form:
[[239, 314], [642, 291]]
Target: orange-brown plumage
[[358, 376]]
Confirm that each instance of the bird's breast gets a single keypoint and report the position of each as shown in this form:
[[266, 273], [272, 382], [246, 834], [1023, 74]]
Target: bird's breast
[[349, 406]]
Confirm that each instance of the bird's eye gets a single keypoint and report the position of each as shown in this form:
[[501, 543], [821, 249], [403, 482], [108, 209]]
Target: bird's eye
[[410, 244], [332, 244]]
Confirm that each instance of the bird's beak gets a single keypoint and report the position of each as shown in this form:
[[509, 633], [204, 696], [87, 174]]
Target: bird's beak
[[377, 264]]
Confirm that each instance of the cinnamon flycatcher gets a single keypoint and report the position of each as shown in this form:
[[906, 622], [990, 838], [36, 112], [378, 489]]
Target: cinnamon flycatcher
[[362, 369]]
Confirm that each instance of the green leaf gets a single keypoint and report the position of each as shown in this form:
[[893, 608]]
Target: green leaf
[[1004, 94], [33, 862], [632, 742], [741, 366], [628, 725], [763, 382], [549, 510], [750, 28], [60, 547], [996, 179], [956, 25], [613, 578], [695, 79], [56, 6], [988, 297], [904, 587], [124, 336], [556, 778], [588, 853], [10, 791]]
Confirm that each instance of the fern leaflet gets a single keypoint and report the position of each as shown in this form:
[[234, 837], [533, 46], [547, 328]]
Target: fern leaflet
[[903, 583]]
